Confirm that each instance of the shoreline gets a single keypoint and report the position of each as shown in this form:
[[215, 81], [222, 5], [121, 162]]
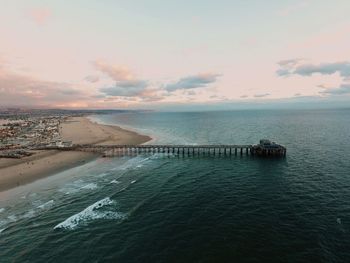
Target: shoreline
[[153, 138], [79, 130]]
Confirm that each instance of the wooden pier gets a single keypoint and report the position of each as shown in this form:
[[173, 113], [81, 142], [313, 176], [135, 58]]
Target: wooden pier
[[265, 148], [181, 150]]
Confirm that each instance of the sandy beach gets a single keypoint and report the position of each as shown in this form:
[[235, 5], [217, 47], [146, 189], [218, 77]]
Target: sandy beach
[[79, 130]]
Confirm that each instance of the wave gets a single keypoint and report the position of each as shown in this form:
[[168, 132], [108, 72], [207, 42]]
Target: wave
[[135, 162], [90, 213], [114, 182], [103, 174], [46, 205], [76, 186], [90, 186], [2, 210]]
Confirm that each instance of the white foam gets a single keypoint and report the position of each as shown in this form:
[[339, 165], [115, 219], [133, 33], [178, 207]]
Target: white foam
[[90, 213], [46, 205], [1, 230], [133, 181], [2, 210], [114, 182], [12, 218], [29, 214], [73, 187], [91, 186], [133, 163]]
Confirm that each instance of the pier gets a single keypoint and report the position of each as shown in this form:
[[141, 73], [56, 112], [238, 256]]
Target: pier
[[264, 148]]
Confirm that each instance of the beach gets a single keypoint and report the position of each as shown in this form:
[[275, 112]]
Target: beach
[[79, 130]]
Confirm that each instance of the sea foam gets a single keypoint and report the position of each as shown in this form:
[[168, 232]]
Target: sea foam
[[91, 186], [114, 182], [46, 205], [90, 213]]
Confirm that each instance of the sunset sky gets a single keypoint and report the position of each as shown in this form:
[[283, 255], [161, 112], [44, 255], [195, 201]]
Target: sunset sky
[[158, 54]]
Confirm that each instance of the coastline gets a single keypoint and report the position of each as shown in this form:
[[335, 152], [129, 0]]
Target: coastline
[[153, 138], [79, 130]]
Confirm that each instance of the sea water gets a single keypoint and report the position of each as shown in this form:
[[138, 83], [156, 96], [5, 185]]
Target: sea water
[[169, 208]]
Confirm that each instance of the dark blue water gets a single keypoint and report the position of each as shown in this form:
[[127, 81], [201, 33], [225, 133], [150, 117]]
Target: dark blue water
[[160, 208]]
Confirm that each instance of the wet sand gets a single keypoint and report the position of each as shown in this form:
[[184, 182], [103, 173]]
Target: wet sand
[[79, 130]]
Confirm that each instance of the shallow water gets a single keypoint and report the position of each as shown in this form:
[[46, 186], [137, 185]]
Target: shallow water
[[168, 208]]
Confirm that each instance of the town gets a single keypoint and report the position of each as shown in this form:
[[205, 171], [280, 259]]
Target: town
[[22, 131], [20, 134]]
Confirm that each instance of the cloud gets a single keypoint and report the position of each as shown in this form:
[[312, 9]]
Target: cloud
[[127, 85], [40, 15], [71, 91], [92, 78], [293, 67], [344, 89], [343, 68], [25, 90], [191, 93], [244, 96], [132, 84], [151, 95], [283, 72], [262, 95], [192, 82], [117, 73], [126, 88], [289, 62], [288, 67]]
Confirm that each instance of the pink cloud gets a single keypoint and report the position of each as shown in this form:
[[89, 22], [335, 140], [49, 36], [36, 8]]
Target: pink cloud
[[25, 90], [117, 73], [40, 15]]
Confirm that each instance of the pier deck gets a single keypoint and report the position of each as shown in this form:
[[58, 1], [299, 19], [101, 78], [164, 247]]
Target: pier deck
[[173, 149], [217, 149]]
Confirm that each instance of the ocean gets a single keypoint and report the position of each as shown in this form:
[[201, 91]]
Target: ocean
[[170, 208]]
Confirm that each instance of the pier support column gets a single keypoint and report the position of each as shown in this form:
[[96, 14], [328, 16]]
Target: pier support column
[[241, 151]]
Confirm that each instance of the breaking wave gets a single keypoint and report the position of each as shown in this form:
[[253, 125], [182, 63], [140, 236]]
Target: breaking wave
[[114, 182], [91, 186], [92, 212], [46, 205]]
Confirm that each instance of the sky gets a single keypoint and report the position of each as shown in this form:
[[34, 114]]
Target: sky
[[174, 55]]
